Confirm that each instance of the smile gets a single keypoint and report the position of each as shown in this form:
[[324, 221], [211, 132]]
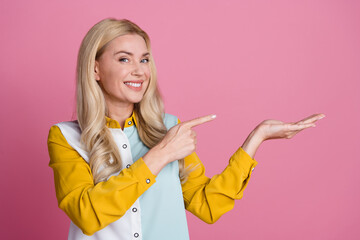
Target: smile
[[134, 85]]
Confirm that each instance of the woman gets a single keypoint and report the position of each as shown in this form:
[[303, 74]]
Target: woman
[[126, 170]]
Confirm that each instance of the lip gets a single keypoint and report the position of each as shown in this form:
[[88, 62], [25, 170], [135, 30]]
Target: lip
[[135, 88]]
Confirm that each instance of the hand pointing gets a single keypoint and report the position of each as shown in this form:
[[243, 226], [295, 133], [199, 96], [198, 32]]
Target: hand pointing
[[179, 142]]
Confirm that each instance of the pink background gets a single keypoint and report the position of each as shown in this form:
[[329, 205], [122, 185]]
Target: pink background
[[245, 61]]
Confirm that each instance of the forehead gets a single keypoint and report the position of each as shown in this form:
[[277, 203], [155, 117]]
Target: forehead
[[130, 42]]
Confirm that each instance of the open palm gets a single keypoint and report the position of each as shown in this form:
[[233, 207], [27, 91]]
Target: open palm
[[273, 129]]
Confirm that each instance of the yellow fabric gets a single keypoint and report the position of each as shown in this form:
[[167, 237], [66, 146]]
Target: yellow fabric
[[92, 207], [111, 123], [209, 199]]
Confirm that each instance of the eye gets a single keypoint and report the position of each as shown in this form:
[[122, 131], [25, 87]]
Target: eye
[[124, 60], [145, 60]]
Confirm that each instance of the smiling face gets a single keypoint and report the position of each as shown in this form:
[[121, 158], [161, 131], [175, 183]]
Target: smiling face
[[123, 70]]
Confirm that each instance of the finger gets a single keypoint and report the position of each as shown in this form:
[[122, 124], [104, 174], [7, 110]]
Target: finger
[[198, 121], [193, 134], [299, 127], [305, 120], [312, 118]]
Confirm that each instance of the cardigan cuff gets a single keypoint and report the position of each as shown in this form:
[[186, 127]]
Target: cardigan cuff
[[143, 174]]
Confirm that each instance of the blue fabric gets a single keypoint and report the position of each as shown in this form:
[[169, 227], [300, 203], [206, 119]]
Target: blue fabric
[[162, 207]]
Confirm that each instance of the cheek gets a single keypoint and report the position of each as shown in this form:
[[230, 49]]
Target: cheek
[[146, 70], [114, 77], [148, 75]]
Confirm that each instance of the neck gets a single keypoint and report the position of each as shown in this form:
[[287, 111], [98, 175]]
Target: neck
[[120, 112]]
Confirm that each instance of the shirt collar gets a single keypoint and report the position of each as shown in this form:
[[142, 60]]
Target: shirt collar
[[129, 122]]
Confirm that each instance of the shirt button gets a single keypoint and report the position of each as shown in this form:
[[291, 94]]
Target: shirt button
[[129, 123], [134, 209], [124, 146], [127, 166], [136, 235], [147, 181]]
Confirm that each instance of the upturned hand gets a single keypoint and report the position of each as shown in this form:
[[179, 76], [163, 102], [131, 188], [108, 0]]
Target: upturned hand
[[274, 129]]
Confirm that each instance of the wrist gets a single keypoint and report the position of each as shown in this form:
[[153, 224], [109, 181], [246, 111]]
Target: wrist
[[253, 142], [156, 160], [160, 155], [258, 134]]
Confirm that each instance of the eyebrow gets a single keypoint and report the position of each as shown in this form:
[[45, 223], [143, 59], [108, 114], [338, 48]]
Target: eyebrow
[[131, 54]]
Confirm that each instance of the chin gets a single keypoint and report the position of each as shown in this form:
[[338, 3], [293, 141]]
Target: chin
[[137, 100]]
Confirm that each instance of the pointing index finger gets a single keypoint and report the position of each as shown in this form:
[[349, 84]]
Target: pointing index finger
[[198, 121]]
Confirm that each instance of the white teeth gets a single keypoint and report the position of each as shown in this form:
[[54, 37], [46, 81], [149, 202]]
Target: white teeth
[[133, 84]]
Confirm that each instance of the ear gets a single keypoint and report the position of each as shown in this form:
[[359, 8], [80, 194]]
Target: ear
[[96, 71]]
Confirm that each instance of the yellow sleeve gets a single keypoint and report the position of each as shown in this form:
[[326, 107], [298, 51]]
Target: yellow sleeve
[[208, 198], [92, 207]]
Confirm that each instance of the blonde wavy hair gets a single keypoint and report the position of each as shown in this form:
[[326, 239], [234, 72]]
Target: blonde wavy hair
[[104, 156]]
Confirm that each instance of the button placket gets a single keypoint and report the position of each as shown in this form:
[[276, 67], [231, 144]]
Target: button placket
[[135, 213], [125, 149]]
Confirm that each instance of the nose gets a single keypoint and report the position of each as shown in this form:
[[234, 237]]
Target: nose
[[137, 70]]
